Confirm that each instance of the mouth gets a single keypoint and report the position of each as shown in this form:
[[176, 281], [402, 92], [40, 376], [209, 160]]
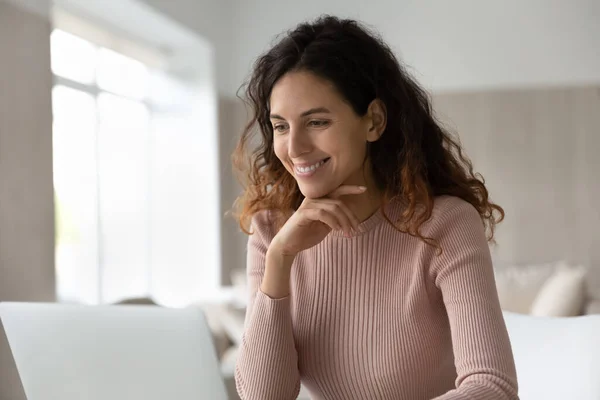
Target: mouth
[[306, 170]]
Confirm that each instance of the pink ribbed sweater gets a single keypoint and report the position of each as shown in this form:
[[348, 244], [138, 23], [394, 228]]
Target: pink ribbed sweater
[[380, 315]]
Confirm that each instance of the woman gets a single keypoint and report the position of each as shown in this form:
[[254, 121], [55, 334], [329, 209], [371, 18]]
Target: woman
[[369, 269]]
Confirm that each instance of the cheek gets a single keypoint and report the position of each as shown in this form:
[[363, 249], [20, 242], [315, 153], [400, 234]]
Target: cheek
[[280, 149], [349, 140], [353, 151]]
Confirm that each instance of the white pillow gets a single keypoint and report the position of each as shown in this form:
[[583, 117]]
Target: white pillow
[[518, 285], [562, 295]]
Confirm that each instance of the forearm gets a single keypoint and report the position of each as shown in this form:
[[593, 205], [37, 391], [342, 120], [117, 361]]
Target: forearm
[[483, 387], [276, 280], [464, 274], [267, 365]]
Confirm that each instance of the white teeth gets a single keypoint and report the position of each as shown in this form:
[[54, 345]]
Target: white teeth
[[310, 168]]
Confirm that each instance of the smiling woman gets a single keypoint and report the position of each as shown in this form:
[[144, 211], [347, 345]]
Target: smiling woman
[[369, 269], [323, 146]]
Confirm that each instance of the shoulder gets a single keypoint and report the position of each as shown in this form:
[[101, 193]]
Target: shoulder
[[452, 216], [262, 220], [459, 230], [450, 208], [446, 211], [262, 227]]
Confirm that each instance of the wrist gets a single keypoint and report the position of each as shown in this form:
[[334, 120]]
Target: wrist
[[278, 268], [278, 258], [276, 249]]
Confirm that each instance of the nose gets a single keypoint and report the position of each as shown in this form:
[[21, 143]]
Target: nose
[[298, 143]]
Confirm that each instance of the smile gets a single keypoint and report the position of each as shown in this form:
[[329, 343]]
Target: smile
[[308, 170]]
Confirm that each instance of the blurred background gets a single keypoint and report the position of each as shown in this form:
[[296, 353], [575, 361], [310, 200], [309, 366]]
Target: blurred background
[[118, 118]]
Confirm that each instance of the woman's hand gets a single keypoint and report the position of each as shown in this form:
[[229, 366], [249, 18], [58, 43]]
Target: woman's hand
[[314, 219], [307, 227]]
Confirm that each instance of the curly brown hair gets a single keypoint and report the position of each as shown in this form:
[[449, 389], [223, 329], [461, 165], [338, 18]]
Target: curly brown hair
[[416, 158]]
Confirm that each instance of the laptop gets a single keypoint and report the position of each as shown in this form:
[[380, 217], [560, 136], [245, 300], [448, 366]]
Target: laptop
[[73, 352]]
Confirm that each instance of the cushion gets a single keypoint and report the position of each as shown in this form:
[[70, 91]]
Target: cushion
[[562, 295], [518, 285]]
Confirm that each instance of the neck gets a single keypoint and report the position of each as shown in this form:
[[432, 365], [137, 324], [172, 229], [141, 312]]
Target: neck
[[364, 205]]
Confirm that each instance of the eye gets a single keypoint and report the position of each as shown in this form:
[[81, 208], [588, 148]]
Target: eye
[[318, 123], [279, 128]]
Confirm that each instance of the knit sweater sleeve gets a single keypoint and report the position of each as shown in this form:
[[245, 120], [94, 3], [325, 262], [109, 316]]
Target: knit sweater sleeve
[[267, 365], [463, 273]]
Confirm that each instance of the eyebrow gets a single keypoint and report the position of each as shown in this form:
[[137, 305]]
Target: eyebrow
[[317, 110]]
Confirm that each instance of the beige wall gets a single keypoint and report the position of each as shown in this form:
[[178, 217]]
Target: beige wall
[[538, 151], [232, 118], [26, 190], [26, 194]]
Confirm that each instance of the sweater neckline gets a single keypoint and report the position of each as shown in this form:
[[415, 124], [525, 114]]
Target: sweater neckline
[[364, 227]]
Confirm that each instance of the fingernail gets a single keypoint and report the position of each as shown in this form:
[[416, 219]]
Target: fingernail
[[363, 188]]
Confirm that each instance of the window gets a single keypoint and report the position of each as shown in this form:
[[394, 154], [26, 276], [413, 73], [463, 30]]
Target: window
[[132, 165]]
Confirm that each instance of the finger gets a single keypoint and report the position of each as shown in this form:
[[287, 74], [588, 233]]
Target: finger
[[324, 216], [354, 222], [341, 216], [346, 190], [334, 207]]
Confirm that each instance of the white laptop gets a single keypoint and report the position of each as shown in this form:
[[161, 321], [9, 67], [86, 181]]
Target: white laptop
[[72, 352]]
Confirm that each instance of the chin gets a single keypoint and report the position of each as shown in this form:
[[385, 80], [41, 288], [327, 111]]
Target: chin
[[313, 191]]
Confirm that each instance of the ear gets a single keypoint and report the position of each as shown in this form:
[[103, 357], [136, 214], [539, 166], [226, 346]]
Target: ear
[[377, 119]]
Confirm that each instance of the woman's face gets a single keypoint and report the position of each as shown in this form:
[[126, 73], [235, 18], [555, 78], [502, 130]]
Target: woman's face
[[318, 137]]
